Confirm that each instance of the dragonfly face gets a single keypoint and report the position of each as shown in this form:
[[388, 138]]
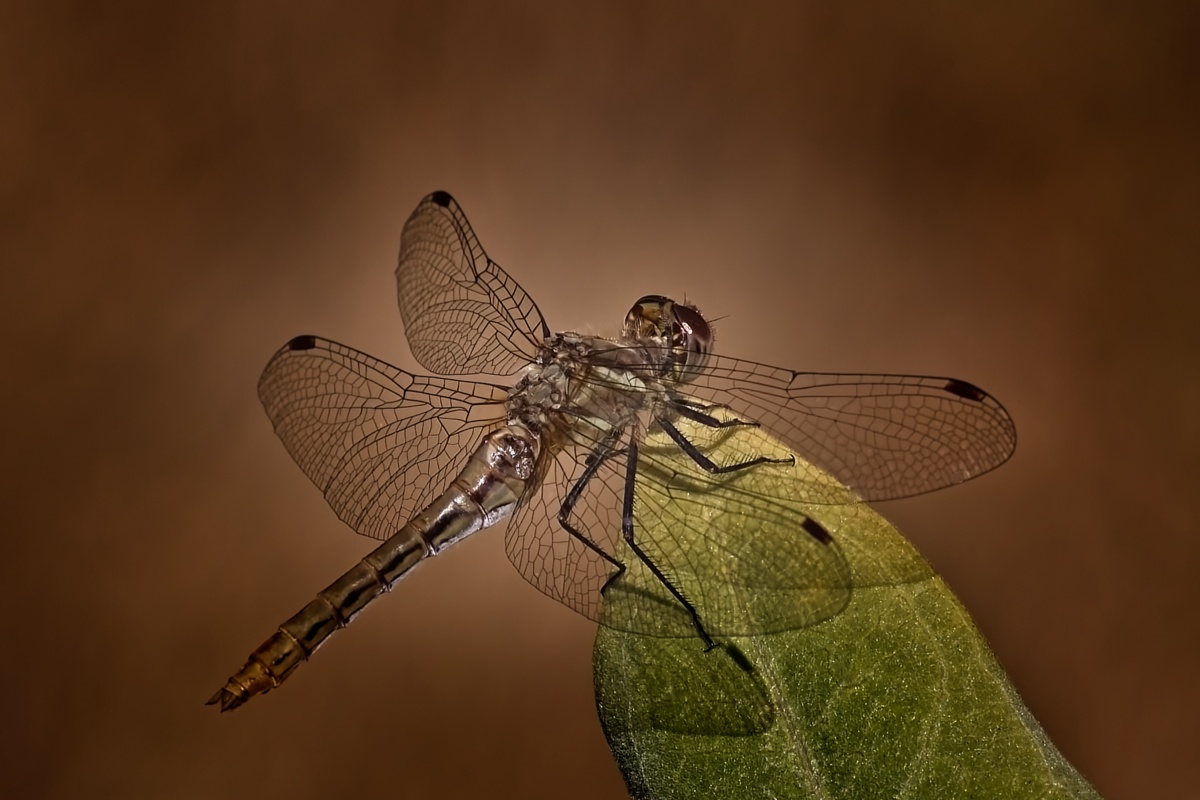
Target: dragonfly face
[[569, 439], [681, 327]]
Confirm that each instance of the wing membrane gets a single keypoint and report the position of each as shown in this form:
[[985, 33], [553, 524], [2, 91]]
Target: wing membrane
[[742, 556], [551, 559], [379, 442], [883, 436], [463, 314], [741, 546]]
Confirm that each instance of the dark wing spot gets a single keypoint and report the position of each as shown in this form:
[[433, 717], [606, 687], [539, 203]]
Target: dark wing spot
[[443, 199], [305, 342], [816, 530], [965, 390]]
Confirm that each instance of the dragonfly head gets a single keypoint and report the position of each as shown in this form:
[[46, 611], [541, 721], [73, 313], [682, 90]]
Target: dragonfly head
[[681, 328]]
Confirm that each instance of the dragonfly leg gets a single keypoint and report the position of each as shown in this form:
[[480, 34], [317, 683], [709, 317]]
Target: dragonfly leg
[[698, 412], [627, 533], [707, 463], [595, 459]]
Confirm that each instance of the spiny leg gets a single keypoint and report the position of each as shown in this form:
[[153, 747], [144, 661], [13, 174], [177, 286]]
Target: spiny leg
[[698, 412], [706, 463], [627, 533], [596, 458]]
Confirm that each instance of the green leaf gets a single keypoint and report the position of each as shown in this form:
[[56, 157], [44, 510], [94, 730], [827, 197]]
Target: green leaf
[[887, 690]]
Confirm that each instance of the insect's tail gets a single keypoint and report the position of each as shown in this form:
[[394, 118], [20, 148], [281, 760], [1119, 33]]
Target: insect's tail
[[267, 667], [298, 638]]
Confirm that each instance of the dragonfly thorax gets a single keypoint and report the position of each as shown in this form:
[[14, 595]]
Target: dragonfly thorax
[[581, 388]]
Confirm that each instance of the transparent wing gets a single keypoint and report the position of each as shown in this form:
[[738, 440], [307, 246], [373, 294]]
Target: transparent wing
[[463, 314], [545, 553], [754, 550], [883, 436], [379, 442], [745, 553], [747, 562]]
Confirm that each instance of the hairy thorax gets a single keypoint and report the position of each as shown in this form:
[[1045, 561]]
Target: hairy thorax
[[580, 389]]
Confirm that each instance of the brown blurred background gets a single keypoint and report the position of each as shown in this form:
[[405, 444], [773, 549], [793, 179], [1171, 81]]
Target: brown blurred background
[[1005, 194]]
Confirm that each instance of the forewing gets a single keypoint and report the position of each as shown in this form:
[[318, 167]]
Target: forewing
[[463, 314], [884, 436], [379, 442]]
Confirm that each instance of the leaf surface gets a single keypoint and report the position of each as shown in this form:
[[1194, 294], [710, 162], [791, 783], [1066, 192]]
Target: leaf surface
[[896, 695]]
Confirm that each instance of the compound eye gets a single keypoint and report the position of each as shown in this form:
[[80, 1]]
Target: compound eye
[[645, 319], [696, 336]]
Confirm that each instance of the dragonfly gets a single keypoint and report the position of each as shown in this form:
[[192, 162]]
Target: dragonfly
[[578, 438]]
